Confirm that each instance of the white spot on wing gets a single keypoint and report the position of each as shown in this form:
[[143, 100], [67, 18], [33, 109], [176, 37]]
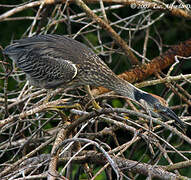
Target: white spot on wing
[[75, 69]]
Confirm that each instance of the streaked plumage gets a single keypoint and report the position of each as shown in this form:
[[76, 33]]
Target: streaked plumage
[[52, 61]]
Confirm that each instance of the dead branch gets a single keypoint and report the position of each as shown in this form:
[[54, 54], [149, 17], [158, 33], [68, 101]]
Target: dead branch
[[125, 165]]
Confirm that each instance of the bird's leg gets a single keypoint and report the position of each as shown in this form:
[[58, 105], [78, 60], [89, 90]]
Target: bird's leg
[[48, 96], [94, 103], [59, 108], [75, 105]]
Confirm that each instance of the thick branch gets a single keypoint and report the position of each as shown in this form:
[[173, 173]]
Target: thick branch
[[159, 63], [128, 165]]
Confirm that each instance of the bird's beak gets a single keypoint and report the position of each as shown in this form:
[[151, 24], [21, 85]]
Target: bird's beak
[[167, 113]]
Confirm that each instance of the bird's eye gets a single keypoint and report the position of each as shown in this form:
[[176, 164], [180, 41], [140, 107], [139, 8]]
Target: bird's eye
[[160, 108], [157, 106]]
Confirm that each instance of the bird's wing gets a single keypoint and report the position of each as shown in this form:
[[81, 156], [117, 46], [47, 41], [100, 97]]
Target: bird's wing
[[40, 60]]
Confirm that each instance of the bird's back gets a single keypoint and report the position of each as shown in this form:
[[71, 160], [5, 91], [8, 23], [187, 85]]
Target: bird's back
[[50, 45]]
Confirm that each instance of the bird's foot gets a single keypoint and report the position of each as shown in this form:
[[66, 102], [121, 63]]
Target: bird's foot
[[95, 104], [69, 106]]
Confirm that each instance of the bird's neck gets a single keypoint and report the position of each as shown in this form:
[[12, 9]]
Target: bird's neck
[[124, 88]]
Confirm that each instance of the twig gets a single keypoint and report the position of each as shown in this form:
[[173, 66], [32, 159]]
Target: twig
[[108, 29], [164, 80], [19, 8], [32, 111], [113, 165], [12, 166]]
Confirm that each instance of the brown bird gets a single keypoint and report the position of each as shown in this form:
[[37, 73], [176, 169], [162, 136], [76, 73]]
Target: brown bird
[[52, 61]]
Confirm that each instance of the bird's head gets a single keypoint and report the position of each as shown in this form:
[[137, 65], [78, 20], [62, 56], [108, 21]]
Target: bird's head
[[157, 106], [167, 113]]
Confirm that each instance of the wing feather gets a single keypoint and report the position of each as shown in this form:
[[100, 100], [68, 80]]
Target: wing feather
[[43, 58]]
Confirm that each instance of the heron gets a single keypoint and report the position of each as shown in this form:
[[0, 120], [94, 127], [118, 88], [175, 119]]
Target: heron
[[51, 61]]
